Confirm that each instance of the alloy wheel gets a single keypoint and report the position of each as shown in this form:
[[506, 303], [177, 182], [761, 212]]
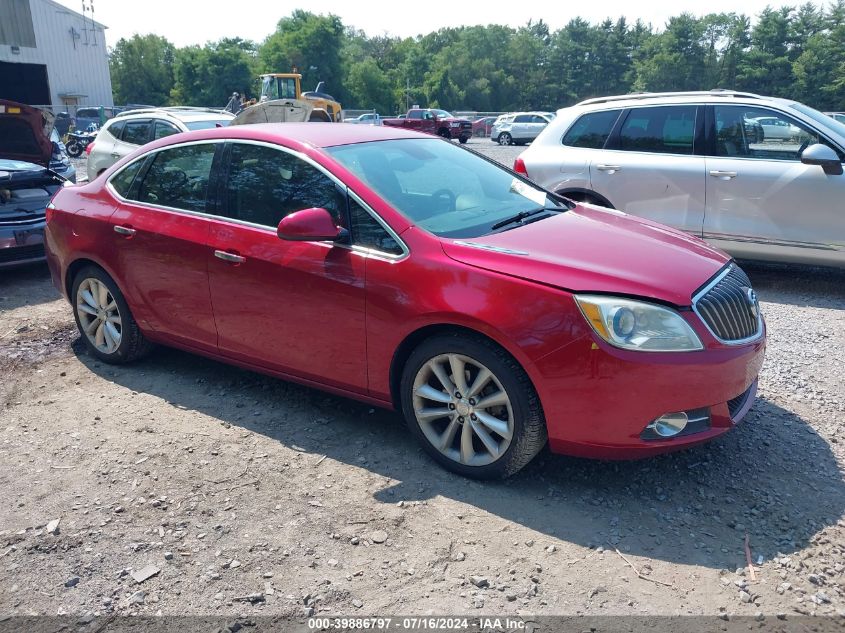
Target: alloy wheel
[[505, 139], [463, 409], [99, 315]]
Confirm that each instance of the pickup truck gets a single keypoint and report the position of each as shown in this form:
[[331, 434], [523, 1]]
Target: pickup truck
[[433, 121]]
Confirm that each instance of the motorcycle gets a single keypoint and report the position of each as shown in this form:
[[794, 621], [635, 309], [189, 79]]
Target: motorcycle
[[78, 141]]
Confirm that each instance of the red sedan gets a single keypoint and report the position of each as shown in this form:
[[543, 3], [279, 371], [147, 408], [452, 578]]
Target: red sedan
[[404, 271]]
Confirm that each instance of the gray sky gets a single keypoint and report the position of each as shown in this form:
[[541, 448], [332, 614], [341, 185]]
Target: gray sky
[[186, 22]]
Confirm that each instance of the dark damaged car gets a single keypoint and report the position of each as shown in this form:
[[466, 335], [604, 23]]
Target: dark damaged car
[[33, 166]]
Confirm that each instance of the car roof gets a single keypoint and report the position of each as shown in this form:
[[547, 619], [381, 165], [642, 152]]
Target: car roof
[[673, 98], [181, 114], [316, 135]]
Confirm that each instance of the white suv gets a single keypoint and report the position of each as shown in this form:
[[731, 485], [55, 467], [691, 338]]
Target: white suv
[[520, 127], [123, 134], [715, 164]]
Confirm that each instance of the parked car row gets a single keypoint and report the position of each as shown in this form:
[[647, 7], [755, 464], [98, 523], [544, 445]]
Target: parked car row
[[519, 128]]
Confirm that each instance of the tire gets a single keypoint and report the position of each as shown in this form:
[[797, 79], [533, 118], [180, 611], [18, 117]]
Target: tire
[[99, 339], [505, 139], [463, 140], [74, 149], [521, 416], [444, 133]]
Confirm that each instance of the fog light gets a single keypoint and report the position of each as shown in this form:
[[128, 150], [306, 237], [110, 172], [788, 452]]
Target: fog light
[[670, 424]]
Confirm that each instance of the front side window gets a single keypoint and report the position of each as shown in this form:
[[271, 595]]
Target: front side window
[[369, 233], [266, 184], [136, 132], [665, 129], [749, 132], [178, 177], [416, 114], [444, 189], [591, 130]]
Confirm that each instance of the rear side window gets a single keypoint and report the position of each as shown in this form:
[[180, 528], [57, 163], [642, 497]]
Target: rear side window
[[136, 132], [665, 130], [178, 177], [122, 182], [116, 128], [163, 128], [591, 130]]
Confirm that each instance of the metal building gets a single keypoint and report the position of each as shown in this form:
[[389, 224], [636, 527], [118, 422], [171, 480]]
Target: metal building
[[51, 55]]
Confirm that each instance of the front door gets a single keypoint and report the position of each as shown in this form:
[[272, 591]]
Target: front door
[[294, 307], [760, 196], [160, 234]]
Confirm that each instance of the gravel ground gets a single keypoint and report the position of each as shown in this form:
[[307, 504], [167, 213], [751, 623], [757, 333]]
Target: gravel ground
[[246, 495]]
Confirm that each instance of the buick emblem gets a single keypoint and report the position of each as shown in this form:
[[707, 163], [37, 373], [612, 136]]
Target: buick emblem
[[751, 297]]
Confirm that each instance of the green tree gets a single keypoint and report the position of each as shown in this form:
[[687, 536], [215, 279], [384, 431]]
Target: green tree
[[208, 75], [675, 58], [368, 87], [311, 44], [142, 69]]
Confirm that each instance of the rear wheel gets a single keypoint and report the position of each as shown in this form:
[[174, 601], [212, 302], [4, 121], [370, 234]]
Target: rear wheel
[[102, 315], [74, 149], [505, 139], [472, 406]]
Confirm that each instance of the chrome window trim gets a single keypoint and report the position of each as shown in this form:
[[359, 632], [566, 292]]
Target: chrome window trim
[[725, 272], [356, 248]]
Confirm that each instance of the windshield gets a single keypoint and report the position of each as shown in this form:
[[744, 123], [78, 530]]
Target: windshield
[[442, 114], [446, 190], [207, 125], [823, 119]]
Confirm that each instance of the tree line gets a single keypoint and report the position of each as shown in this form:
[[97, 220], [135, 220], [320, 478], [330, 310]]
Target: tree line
[[791, 52]]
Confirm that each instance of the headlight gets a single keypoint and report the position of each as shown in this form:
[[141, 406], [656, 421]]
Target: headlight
[[638, 325]]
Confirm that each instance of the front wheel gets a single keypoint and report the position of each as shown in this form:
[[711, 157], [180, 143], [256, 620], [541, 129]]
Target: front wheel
[[463, 140], [102, 315], [505, 139], [472, 406], [74, 149]]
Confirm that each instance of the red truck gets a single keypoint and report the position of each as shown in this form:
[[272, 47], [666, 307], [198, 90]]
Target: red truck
[[433, 121]]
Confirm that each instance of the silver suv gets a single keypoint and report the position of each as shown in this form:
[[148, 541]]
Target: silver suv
[[127, 131], [715, 164], [519, 128]]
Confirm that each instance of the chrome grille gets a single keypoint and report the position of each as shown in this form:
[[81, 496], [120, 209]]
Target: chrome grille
[[728, 306]]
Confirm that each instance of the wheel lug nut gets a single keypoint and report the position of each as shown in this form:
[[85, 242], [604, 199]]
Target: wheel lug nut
[[461, 419], [473, 417], [451, 405], [472, 401], [458, 395]]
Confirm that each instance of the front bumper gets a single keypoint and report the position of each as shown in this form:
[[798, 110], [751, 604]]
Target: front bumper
[[21, 245], [602, 411]]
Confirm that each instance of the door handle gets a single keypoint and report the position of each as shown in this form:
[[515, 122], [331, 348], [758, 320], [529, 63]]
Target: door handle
[[608, 167], [724, 175], [232, 258], [115, 155], [124, 230]]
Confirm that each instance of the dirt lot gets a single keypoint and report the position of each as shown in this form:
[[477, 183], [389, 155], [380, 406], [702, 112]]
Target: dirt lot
[[253, 496]]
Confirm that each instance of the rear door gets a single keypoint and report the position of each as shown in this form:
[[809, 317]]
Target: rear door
[[760, 195], [651, 167], [160, 234]]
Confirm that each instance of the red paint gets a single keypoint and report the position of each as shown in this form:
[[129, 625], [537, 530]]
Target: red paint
[[324, 315], [447, 127], [308, 225]]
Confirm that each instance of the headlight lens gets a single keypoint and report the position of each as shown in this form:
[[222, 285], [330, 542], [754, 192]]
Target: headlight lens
[[638, 325]]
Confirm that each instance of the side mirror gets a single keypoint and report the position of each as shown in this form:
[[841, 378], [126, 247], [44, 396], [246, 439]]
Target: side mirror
[[310, 225], [824, 157]]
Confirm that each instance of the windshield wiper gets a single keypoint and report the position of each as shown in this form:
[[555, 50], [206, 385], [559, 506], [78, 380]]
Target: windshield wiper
[[520, 217]]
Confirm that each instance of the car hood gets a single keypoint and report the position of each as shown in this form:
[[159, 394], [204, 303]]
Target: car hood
[[25, 133], [590, 249]]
